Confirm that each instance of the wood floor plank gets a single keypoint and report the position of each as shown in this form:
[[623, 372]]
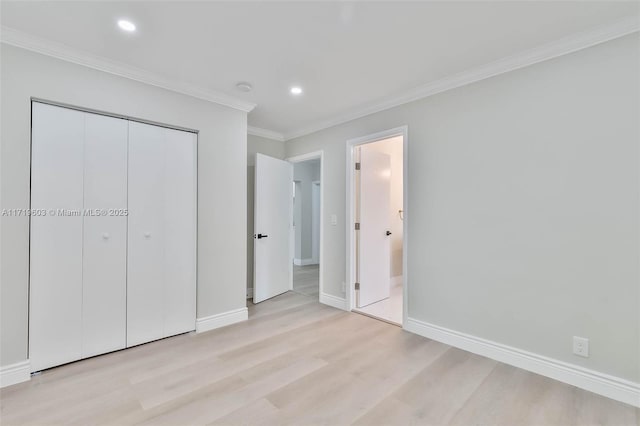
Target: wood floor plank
[[258, 413], [156, 390], [592, 409], [207, 408], [435, 394], [377, 374], [507, 396]]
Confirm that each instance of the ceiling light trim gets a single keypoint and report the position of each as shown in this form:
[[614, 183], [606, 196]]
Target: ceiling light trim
[[529, 57], [126, 25], [265, 133], [64, 52]]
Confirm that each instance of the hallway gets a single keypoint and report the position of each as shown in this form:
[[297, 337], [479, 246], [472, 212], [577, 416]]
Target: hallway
[[306, 280]]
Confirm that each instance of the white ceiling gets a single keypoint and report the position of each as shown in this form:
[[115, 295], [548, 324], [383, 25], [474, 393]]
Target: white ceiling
[[345, 55]]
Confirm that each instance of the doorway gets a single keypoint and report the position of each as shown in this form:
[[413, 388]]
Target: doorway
[[306, 226], [376, 195], [288, 241]]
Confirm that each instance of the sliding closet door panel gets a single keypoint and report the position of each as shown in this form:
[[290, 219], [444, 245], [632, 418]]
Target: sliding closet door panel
[[55, 312], [180, 232], [145, 265], [105, 235]]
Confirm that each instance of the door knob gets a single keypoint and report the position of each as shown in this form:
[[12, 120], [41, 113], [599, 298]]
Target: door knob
[[147, 234], [105, 236], [260, 236], [388, 232]]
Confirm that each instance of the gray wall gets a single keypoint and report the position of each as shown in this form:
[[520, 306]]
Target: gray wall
[[272, 148], [305, 172], [222, 153], [523, 206]]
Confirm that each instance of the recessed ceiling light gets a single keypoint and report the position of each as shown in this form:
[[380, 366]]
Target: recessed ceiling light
[[243, 86], [126, 25], [295, 90]]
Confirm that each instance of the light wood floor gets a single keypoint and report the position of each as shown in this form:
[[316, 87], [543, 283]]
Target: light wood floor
[[306, 280], [298, 362]]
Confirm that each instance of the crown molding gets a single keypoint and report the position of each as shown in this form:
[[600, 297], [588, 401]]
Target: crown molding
[[61, 51], [533, 56], [265, 133]]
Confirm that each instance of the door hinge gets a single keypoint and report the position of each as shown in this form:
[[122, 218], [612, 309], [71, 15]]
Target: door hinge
[[357, 226], [357, 166], [357, 286]]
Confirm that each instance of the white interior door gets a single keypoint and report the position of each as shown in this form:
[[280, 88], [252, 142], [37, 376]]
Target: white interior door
[[374, 254], [273, 221], [55, 311], [104, 292]]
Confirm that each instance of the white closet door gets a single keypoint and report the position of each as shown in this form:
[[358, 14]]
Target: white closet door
[[180, 232], [161, 283], [145, 265], [55, 312], [105, 235]]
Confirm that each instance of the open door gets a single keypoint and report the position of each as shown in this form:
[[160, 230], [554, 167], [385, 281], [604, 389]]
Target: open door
[[374, 244], [273, 262]]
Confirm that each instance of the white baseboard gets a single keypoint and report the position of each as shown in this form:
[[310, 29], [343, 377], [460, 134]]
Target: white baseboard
[[250, 293], [336, 302], [15, 373], [304, 262], [397, 280], [603, 384], [220, 320]]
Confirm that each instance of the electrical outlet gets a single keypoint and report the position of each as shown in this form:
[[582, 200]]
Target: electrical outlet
[[581, 346], [334, 219]]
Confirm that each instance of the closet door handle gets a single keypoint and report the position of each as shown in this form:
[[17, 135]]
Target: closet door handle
[[260, 236], [105, 236], [147, 235]]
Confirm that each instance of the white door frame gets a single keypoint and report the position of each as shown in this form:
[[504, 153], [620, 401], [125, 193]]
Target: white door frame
[[298, 159], [315, 222], [350, 214]]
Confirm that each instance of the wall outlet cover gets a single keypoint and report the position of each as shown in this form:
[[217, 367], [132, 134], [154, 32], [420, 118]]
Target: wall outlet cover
[[581, 346]]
